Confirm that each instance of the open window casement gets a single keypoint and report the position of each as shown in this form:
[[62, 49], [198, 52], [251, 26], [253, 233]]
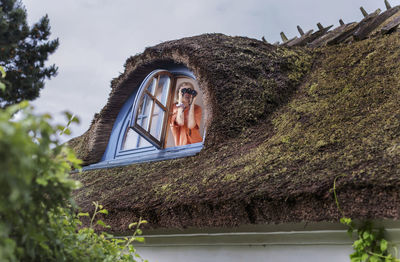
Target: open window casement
[[151, 108], [142, 130]]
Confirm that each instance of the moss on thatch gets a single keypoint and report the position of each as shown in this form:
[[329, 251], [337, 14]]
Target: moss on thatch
[[279, 164]]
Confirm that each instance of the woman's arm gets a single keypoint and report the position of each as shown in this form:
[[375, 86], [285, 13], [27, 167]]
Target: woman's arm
[[191, 116], [180, 117]]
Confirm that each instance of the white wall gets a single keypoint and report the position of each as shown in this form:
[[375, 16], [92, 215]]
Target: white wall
[[308, 242], [276, 253]]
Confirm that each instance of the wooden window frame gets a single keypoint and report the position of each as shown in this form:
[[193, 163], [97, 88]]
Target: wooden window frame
[[139, 129]]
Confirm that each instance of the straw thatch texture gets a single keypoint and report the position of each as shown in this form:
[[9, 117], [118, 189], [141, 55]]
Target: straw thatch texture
[[272, 150]]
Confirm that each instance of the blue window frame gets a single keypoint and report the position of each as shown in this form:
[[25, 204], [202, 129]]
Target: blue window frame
[[140, 131]]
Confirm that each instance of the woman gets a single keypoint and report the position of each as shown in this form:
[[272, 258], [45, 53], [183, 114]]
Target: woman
[[186, 116]]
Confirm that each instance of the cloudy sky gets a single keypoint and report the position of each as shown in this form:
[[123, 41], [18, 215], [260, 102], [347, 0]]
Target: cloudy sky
[[97, 36]]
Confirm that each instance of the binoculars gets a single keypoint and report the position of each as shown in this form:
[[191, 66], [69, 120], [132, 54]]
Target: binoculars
[[189, 91]]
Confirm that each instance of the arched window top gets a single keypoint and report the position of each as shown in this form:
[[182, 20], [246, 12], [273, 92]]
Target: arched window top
[[145, 126]]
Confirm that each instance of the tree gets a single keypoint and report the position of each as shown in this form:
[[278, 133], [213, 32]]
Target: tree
[[23, 53]]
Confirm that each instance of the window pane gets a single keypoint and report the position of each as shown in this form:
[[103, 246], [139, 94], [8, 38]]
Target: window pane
[[157, 121], [152, 86], [162, 89], [144, 111], [143, 142], [131, 140]]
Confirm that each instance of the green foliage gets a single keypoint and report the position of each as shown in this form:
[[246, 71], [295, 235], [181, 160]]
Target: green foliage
[[370, 244], [23, 52], [87, 245], [34, 183], [37, 221]]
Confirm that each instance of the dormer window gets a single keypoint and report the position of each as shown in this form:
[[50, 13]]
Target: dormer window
[[147, 128]]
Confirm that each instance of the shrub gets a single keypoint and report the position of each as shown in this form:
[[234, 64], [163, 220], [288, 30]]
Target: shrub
[[37, 218]]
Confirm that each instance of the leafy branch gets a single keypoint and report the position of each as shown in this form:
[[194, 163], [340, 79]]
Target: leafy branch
[[122, 245], [370, 244]]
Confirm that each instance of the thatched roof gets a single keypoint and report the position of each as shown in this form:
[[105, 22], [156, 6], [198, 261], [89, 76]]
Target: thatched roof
[[274, 145]]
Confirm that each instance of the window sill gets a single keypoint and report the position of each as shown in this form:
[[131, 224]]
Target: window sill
[[154, 155]]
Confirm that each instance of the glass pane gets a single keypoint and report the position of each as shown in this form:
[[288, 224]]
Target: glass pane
[[157, 121], [143, 142], [144, 111], [152, 86], [131, 140], [162, 89]]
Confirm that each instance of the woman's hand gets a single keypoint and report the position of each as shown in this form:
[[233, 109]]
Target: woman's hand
[[180, 96], [192, 102]]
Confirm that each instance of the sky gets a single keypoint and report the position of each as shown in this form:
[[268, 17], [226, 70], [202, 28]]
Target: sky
[[97, 36]]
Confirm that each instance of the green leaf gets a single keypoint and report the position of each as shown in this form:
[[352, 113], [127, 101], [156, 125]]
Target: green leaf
[[60, 127], [104, 211], [101, 223], [47, 116], [366, 235], [68, 115], [3, 72], [384, 245], [81, 237], [132, 225], [2, 87], [41, 181], [66, 131], [75, 119], [139, 239], [374, 259], [23, 104], [355, 257], [83, 214], [346, 221]]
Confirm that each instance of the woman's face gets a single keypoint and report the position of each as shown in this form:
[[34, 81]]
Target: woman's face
[[186, 97]]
